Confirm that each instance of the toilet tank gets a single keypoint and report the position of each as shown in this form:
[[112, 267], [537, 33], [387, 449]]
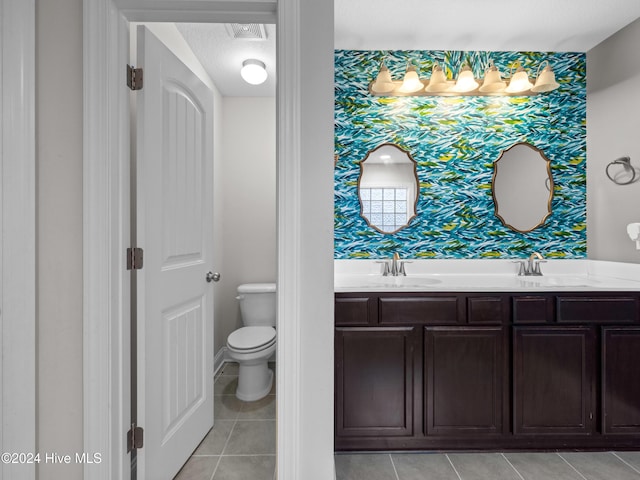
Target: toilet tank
[[257, 304]]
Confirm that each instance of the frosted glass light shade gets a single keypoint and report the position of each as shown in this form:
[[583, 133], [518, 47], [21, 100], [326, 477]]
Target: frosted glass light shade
[[519, 82], [383, 83], [438, 81], [253, 72], [411, 82], [493, 83], [466, 82], [546, 81]]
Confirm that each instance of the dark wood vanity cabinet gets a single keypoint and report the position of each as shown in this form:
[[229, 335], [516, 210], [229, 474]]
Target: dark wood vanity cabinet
[[422, 371], [464, 377], [620, 394], [375, 381], [553, 380]]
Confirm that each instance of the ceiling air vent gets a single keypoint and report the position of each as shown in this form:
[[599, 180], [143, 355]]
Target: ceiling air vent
[[246, 31]]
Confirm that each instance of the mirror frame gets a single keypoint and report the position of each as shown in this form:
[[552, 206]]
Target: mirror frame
[[550, 187], [415, 174]]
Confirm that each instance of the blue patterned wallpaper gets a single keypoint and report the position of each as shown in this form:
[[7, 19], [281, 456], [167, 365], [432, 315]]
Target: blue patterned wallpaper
[[455, 141]]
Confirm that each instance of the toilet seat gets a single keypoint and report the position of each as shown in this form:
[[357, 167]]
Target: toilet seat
[[251, 339]]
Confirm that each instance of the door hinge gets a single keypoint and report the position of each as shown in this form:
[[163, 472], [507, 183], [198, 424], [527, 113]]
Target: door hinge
[[135, 437], [134, 78], [134, 258]]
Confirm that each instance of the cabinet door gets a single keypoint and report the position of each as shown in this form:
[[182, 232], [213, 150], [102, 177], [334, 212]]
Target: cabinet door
[[374, 381], [465, 380], [620, 380], [554, 385]]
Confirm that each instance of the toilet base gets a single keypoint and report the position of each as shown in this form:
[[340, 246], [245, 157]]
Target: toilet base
[[254, 381]]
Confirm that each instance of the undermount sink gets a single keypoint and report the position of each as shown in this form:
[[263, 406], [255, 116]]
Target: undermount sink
[[556, 281], [402, 281]]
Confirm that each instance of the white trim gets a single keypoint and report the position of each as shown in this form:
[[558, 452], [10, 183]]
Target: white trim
[[18, 285], [215, 11], [105, 231], [219, 360], [106, 301], [288, 381]]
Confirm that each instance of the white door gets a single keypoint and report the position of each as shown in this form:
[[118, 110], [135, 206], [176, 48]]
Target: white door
[[174, 226]]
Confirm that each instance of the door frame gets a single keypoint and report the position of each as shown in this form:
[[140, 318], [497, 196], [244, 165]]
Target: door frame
[[18, 244], [106, 228]]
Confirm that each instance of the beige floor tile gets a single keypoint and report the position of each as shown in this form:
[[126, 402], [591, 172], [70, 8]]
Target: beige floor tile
[[198, 468], [256, 467], [252, 437]]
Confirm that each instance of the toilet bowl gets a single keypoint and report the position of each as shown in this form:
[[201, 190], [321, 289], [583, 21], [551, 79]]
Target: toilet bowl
[[253, 344]]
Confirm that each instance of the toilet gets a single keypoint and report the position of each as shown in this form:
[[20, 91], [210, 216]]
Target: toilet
[[253, 344]]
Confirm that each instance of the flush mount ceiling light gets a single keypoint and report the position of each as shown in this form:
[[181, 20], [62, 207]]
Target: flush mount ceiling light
[[465, 84], [253, 71]]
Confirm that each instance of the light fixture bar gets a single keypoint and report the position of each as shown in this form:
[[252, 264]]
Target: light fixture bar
[[438, 85]]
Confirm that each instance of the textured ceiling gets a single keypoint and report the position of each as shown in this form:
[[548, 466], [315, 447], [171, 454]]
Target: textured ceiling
[[492, 25], [222, 57]]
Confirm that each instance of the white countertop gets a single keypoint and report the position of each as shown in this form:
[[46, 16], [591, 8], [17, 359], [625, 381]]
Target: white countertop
[[486, 275]]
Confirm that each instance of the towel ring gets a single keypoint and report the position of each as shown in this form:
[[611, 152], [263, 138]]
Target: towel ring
[[626, 164]]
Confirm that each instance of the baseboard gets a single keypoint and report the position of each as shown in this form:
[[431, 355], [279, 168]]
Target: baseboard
[[219, 360], [222, 357]]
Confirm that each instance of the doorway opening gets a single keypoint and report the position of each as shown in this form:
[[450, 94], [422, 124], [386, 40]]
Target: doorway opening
[[241, 182]]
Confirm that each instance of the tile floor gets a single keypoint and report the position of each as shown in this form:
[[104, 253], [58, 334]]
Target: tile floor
[[242, 446], [242, 443], [489, 466]]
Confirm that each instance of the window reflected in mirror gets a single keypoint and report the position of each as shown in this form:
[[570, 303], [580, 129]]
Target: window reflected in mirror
[[522, 187], [388, 188]]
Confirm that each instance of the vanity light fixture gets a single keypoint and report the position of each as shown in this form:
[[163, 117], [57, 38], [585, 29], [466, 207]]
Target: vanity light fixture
[[492, 80], [465, 84], [438, 82], [546, 81], [519, 81], [411, 82], [253, 71], [383, 82]]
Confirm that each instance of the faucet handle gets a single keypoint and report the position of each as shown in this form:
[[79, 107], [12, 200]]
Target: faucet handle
[[536, 267], [521, 267], [401, 269], [386, 271]]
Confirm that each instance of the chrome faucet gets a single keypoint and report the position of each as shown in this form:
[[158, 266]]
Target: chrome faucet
[[532, 267], [393, 267]]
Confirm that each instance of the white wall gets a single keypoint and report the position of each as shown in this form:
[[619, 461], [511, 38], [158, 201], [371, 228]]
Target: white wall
[[59, 232], [316, 239], [613, 103], [245, 200]]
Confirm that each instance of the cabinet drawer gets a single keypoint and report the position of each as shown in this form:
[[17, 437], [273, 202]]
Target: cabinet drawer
[[612, 309], [485, 310], [353, 310], [420, 310], [532, 309]]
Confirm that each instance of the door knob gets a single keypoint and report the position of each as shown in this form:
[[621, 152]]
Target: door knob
[[213, 277]]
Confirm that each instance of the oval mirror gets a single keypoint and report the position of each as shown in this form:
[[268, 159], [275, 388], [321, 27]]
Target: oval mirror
[[388, 188], [522, 187]]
